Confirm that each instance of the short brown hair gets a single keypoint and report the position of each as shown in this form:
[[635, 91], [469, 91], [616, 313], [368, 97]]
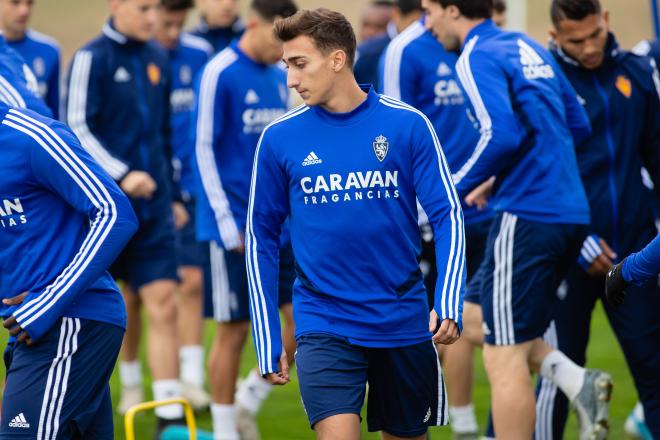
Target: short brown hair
[[328, 29]]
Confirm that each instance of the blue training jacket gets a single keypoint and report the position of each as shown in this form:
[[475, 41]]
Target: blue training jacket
[[42, 54], [418, 70], [643, 265], [237, 98], [528, 116], [349, 182], [63, 221], [368, 55], [186, 60], [220, 37], [18, 85], [623, 103], [117, 104]]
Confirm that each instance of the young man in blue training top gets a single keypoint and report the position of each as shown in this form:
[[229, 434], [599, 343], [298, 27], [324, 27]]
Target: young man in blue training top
[[528, 115], [620, 92], [186, 55], [419, 71], [220, 23], [347, 169], [241, 91], [41, 52], [63, 221], [118, 104], [18, 85]]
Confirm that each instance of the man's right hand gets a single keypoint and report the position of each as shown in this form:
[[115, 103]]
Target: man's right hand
[[138, 185], [602, 264]]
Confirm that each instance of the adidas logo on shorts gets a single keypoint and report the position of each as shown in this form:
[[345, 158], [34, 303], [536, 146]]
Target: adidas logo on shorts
[[19, 422], [311, 159]]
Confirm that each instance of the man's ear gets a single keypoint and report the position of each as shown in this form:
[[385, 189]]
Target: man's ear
[[338, 59]]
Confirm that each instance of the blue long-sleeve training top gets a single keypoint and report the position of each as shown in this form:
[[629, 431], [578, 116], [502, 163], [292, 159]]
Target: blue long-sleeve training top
[[18, 85], [418, 70], [349, 182], [63, 221], [237, 98], [528, 116], [42, 53], [643, 265], [186, 61], [622, 99], [220, 37]]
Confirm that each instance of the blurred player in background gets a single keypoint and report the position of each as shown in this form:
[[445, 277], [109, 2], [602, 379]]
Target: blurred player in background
[[348, 168], [542, 209], [499, 12], [220, 23], [620, 92], [375, 19], [63, 222], [241, 91], [370, 52], [418, 70], [187, 55], [118, 104], [41, 52]]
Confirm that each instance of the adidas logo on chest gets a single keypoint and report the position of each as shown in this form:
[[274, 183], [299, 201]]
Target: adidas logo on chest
[[534, 67], [121, 75]]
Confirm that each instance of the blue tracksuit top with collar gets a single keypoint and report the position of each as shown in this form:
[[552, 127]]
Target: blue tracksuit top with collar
[[418, 70], [220, 37], [349, 184], [42, 54], [622, 100], [528, 117], [117, 103], [643, 265], [186, 60], [18, 85], [237, 98], [63, 221]]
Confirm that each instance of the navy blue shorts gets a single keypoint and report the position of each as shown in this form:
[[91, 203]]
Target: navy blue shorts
[[151, 254], [406, 387], [524, 264], [190, 251], [226, 283], [58, 388]]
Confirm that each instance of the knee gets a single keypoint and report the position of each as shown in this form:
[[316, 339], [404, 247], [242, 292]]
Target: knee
[[161, 305]]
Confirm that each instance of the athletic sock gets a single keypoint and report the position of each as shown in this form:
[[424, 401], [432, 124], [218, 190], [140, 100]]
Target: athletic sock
[[639, 411], [462, 419], [564, 373], [252, 392], [224, 422], [191, 360], [167, 389], [130, 373]]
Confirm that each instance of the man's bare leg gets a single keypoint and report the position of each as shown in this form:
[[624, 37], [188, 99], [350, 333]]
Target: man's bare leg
[[224, 361], [513, 402], [159, 299], [130, 370], [458, 366], [190, 330], [340, 426]]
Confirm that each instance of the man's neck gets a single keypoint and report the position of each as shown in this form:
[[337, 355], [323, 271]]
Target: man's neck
[[245, 44], [466, 27], [407, 20], [347, 96], [13, 36]]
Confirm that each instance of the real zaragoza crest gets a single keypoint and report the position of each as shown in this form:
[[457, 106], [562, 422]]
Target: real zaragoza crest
[[381, 147]]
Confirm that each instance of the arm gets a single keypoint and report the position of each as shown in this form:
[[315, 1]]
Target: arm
[[438, 197], [267, 210], [83, 104], [643, 265], [60, 164], [53, 96], [487, 86], [576, 116], [211, 101]]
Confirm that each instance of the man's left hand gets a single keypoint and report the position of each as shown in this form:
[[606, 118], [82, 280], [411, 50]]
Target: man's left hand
[[11, 324], [447, 333]]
